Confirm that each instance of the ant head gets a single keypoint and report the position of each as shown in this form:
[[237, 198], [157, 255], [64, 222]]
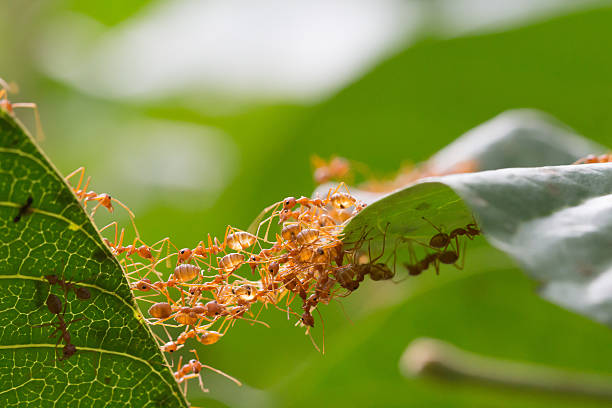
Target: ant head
[[169, 347], [307, 319], [144, 251], [144, 284], [273, 268], [289, 203], [472, 229], [196, 366], [184, 254]]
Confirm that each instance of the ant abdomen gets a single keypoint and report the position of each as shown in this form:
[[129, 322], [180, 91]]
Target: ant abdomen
[[307, 236], [240, 240], [160, 310], [440, 240], [54, 304], [186, 272], [231, 262]]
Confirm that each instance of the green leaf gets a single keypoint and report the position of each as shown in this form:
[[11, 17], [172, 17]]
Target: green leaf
[[117, 362], [555, 222]]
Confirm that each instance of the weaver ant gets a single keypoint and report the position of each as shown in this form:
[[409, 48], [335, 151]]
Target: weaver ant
[[338, 168], [447, 257], [192, 370], [103, 199], [604, 158], [443, 240]]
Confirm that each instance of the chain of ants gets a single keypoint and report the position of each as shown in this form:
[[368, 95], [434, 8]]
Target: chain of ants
[[307, 260]]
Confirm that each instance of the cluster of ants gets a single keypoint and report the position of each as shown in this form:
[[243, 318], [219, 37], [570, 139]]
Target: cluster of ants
[[308, 260], [205, 294]]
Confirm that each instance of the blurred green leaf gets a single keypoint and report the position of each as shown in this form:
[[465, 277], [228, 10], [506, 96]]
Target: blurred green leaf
[[515, 138], [117, 362]]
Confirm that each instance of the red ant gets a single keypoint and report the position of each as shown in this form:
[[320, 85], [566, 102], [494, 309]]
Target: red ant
[[442, 239], [104, 199], [192, 370], [54, 304], [436, 258], [337, 168], [604, 158]]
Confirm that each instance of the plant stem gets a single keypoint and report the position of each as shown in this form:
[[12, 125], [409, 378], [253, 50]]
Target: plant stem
[[438, 359]]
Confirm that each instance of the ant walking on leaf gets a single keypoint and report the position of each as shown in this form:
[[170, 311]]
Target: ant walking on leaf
[[103, 199]]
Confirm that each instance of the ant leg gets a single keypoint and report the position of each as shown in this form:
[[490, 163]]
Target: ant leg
[[323, 330], [39, 130], [172, 316], [69, 176], [114, 223], [460, 267], [432, 224], [229, 377], [93, 212], [227, 230], [130, 213], [314, 343], [83, 192], [78, 187], [202, 384], [252, 320], [383, 245], [269, 220], [343, 184]]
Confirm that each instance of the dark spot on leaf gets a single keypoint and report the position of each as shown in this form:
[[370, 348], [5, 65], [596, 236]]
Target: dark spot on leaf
[[107, 380], [422, 206], [24, 210], [65, 198], [98, 255]]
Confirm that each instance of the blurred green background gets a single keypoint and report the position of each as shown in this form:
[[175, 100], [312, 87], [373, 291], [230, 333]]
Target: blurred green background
[[199, 114]]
